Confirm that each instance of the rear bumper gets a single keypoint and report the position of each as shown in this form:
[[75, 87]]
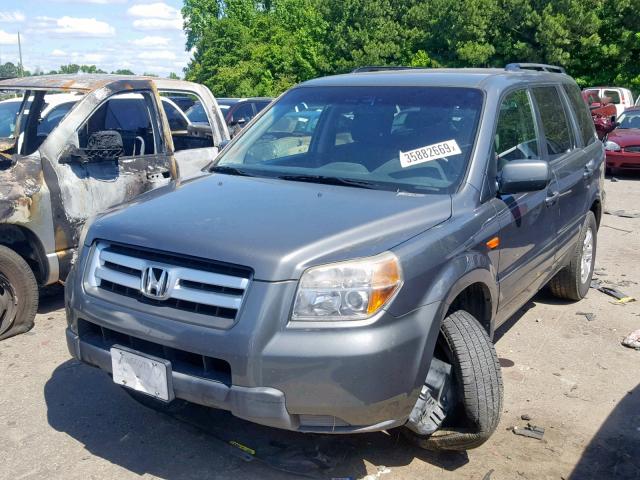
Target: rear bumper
[[623, 160]]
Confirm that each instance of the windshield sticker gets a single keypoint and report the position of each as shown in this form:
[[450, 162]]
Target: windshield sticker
[[429, 152]]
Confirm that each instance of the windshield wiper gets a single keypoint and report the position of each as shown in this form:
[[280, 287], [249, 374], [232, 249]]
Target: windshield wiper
[[230, 170], [347, 182]]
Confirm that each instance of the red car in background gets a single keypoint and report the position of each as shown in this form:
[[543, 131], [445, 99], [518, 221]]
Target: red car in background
[[622, 144], [603, 112]]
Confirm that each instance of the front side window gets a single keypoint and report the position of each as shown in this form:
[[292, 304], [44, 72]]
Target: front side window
[[557, 130], [394, 138], [129, 114], [515, 137]]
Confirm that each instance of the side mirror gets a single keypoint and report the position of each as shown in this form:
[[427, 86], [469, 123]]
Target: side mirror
[[104, 146], [521, 176]]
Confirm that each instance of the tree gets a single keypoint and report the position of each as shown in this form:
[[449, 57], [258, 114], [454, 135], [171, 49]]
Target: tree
[[173, 76], [251, 47], [198, 16], [260, 48], [71, 68], [123, 71], [9, 70]]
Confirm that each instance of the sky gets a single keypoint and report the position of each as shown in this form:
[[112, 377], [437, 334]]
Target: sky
[[144, 36]]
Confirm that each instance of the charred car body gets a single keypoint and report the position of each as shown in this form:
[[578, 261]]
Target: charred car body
[[348, 263], [73, 146]]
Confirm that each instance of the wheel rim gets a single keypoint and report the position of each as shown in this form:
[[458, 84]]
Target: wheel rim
[[587, 256], [8, 304]]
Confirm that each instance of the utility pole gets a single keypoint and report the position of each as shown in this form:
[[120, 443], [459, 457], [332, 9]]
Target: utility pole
[[21, 69]]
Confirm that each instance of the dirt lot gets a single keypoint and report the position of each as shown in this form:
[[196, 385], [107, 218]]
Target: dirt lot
[[63, 420]]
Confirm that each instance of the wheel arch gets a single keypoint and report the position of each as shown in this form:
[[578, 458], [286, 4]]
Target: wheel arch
[[26, 244]]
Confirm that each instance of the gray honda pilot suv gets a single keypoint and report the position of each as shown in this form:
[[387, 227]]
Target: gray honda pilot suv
[[346, 262]]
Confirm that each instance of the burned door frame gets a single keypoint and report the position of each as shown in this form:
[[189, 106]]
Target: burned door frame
[[190, 162]]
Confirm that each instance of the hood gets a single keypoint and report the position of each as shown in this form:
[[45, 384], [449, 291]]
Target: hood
[[625, 137], [276, 227]]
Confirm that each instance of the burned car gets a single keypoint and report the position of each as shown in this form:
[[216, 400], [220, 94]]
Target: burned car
[[72, 146]]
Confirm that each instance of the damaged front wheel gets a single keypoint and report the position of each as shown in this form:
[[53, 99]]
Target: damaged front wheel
[[460, 405], [18, 294]]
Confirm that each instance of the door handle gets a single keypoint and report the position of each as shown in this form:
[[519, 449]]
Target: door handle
[[551, 199], [159, 175]]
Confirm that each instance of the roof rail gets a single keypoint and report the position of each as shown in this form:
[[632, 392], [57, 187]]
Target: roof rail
[[541, 67], [376, 68]]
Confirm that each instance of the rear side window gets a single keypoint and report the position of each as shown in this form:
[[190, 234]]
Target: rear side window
[[585, 123], [613, 95], [516, 131], [554, 121]]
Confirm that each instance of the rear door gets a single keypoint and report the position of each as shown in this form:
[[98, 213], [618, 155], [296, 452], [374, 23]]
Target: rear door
[[198, 144], [529, 221], [572, 167]]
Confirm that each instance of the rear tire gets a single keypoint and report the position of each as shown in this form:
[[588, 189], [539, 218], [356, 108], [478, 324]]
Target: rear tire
[[18, 294], [574, 280], [478, 383]]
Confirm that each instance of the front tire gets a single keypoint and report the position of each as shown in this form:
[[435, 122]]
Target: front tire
[[574, 280], [18, 294], [477, 382]]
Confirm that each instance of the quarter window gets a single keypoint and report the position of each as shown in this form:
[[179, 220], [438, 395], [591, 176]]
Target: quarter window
[[516, 131], [554, 121]]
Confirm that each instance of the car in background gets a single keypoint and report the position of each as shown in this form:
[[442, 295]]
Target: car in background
[[603, 112], [239, 111], [622, 145], [622, 98], [72, 146]]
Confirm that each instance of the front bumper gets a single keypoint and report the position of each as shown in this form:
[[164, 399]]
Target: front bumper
[[326, 380], [623, 160]]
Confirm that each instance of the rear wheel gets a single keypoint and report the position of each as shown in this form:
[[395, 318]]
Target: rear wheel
[[18, 294], [475, 402], [574, 280]]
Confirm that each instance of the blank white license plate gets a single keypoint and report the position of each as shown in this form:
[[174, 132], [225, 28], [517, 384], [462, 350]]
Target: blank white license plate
[[142, 373]]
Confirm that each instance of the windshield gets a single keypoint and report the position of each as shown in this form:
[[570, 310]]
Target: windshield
[[395, 138], [629, 119]]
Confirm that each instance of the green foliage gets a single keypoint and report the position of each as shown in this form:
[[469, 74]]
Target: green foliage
[[250, 47], [8, 70], [123, 71]]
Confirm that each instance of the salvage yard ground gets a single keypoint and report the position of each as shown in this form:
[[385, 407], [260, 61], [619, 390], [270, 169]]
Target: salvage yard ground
[[63, 420]]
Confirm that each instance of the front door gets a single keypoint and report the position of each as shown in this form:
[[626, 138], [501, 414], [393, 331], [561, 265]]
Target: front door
[[81, 187], [529, 220]]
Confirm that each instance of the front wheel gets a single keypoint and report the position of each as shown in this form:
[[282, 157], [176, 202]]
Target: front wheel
[[18, 294], [471, 418], [574, 280]]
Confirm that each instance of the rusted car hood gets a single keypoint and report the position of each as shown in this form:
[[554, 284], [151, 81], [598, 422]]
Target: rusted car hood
[[276, 227]]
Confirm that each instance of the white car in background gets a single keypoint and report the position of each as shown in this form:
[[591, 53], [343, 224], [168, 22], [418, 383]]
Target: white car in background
[[622, 98]]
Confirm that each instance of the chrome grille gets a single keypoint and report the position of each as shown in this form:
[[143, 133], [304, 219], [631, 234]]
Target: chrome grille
[[190, 284]]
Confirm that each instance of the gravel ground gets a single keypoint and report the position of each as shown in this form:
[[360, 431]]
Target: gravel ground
[[63, 420]]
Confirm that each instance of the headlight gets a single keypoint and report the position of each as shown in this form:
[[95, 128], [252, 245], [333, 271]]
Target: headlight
[[352, 290], [611, 146]]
